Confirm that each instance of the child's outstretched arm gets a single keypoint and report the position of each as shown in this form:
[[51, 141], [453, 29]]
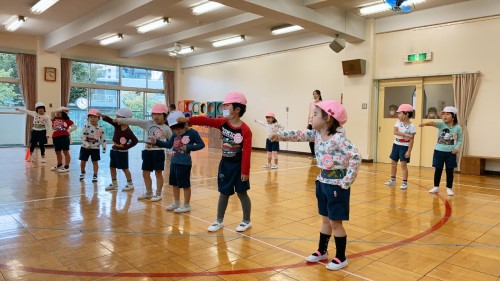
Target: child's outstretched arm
[[261, 122], [166, 144], [29, 112], [293, 135], [132, 121], [430, 123]]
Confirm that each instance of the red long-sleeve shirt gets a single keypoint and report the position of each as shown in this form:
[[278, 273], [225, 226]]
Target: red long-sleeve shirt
[[236, 141]]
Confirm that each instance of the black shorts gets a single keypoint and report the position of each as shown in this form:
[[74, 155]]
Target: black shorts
[[118, 159], [398, 153], [38, 137], [440, 158], [61, 143], [180, 175], [229, 178], [272, 145], [153, 160], [333, 201], [86, 153]]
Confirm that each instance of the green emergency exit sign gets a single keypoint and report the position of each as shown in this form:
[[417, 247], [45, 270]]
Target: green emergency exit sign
[[417, 57]]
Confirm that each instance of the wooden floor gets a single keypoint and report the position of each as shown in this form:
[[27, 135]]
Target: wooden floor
[[54, 227]]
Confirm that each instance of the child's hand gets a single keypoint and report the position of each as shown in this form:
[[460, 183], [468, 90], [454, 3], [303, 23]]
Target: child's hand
[[273, 136], [17, 109], [151, 140], [244, 177], [421, 125], [183, 148], [408, 154], [115, 120], [454, 151]]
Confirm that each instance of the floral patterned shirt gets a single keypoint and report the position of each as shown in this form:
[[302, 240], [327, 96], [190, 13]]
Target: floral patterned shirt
[[336, 153]]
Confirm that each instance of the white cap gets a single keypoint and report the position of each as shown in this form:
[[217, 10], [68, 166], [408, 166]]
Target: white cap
[[39, 104], [450, 109], [124, 112], [173, 116]]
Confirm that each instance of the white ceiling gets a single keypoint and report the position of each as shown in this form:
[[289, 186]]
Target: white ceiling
[[72, 22]]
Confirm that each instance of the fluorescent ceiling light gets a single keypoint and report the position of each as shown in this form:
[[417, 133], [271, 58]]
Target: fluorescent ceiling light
[[183, 51], [15, 23], [111, 39], [228, 41], [382, 7], [285, 29], [153, 25], [42, 5], [205, 7]]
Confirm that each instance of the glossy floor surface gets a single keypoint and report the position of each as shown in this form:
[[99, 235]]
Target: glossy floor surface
[[55, 227]]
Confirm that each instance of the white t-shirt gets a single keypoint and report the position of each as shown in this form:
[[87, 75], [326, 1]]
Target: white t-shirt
[[406, 129]]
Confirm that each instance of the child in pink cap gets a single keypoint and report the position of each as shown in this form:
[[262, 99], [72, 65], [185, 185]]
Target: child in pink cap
[[93, 137], [234, 167], [339, 161], [272, 147]]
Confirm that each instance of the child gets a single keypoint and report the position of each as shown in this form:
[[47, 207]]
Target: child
[[234, 167], [92, 137], [339, 162], [153, 156], [123, 140], [404, 131], [392, 111], [39, 132], [447, 147], [272, 147], [432, 113], [183, 141], [62, 127]]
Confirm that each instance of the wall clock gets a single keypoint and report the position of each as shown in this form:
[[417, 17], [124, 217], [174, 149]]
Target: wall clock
[[50, 74]]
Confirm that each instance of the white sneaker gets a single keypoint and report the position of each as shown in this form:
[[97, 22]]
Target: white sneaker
[[56, 168], [82, 176], [156, 197], [336, 266], [62, 170], [146, 195], [268, 165], [172, 206], [182, 209], [43, 160], [317, 257], [434, 189], [128, 187], [449, 191], [111, 186], [215, 226], [274, 166], [403, 186], [243, 226], [390, 182]]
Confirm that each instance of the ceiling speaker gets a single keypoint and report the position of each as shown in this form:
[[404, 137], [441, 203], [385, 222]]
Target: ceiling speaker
[[337, 45]]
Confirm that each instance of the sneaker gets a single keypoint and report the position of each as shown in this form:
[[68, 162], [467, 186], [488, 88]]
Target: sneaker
[[274, 166], [62, 170], [403, 186], [336, 266], [317, 257], [156, 197], [82, 176], [390, 182], [172, 206], [111, 186], [128, 187], [449, 191], [434, 189], [94, 178], [43, 160], [215, 226], [146, 195], [243, 226], [56, 168], [182, 209], [268, 165]]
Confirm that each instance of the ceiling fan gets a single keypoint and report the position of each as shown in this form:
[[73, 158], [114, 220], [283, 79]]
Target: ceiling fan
[[401, 6]]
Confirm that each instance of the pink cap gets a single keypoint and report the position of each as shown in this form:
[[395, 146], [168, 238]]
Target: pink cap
[[94, 112], [270, 114], [159, 108], [235, 97], [450, 109], [334, 109], [405, 108]]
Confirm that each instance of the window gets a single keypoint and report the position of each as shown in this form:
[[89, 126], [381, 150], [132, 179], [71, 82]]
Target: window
[[436, 97]]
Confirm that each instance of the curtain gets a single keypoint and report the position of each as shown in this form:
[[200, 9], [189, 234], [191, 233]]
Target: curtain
[[26, 67], [465, 88], [169, 86], [65, 81]]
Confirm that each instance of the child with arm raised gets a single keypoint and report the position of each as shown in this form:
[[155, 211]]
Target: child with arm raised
[[272, 147], [41, 129]]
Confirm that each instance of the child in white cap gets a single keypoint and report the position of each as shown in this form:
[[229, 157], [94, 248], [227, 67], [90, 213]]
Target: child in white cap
[[41, 129], [339, 161], [449, 141], [93, 137], [272, 147]]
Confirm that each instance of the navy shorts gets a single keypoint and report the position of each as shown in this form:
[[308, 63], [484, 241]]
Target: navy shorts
[[398, 153], [229, 178], [333, 201], [61, 143], [441, 158], [86, 153], [180, 175], [272, 145], [38, 137], [118, 159], [153, 160]]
